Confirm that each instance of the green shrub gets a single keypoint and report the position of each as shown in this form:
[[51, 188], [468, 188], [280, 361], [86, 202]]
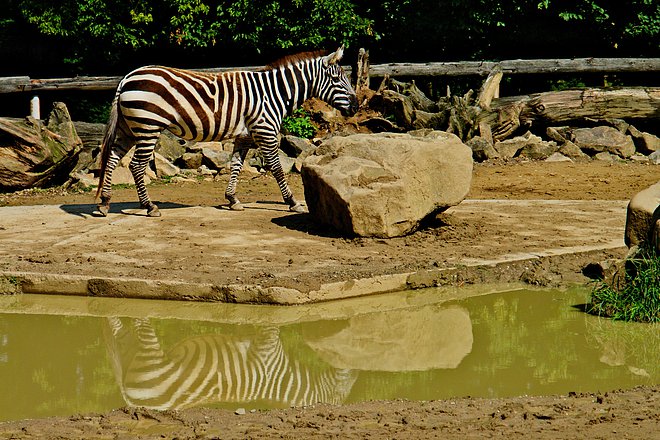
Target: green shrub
[[299, 124], [639, 298]]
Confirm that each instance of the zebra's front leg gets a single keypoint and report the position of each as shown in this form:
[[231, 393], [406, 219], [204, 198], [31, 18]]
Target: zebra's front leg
[[138, 167], [269, 146], [237, 159]]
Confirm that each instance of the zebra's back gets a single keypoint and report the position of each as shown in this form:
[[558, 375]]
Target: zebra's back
[[193, 105]]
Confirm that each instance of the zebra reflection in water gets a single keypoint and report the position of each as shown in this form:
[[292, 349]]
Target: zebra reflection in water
[[214, 368]]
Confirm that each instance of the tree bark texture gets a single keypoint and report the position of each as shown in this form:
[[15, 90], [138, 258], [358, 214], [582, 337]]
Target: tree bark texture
[[36, 155]]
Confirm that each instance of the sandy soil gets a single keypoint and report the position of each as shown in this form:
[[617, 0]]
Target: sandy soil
[[285, 257], [626, 414], [633, 414]]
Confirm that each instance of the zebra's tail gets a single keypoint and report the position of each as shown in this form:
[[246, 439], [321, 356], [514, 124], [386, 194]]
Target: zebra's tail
[[108, 140]]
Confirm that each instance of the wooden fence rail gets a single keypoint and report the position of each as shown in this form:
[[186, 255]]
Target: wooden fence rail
[[22, 84]]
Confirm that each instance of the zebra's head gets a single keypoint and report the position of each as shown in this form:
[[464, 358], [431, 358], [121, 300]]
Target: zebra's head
[[334, 86]]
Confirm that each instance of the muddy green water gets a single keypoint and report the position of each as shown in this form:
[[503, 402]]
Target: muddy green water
[[63, 355]]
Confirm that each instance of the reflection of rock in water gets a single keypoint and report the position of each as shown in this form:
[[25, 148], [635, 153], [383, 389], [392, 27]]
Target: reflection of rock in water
[[216, 368], [399, 340]]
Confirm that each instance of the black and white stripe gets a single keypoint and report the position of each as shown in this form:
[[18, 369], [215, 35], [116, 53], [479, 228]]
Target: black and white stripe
[[203, 107], [216, 368]]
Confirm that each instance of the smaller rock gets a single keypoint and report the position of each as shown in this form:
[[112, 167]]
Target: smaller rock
[[181, 179], [512, 147], [538, 149], [205, 171], [558, 157], [603, 139], [215, 159], [297, 165], [604, 156], [286, 162], [85, 179], [559, 134], [655, 158], [165, 168], [619, 124], [646, 143], [169, 146], [293, 146], [240, 411], [190, 160], [569, 149], [639, 158], [123, 176], [211, 145], [482, 150]]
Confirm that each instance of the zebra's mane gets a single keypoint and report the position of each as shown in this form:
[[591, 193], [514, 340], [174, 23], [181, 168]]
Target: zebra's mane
[[292, 59]]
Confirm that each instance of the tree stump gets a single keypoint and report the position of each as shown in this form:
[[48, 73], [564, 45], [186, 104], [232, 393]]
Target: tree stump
[[34, 154]]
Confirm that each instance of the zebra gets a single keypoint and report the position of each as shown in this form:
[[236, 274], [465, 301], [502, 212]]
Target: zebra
[[209, 369], [203, 106]]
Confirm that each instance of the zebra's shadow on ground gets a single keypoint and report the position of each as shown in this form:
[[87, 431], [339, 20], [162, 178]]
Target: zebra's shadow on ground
[[307, 224], [126, 208]]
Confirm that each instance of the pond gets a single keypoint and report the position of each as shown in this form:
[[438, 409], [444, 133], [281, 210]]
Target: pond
[[66, 355]]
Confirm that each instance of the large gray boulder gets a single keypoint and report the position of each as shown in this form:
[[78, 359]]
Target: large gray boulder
[[384, 185], [643, 217]]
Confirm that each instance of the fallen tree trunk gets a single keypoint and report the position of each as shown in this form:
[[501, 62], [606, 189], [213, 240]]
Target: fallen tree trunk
[[36, 155], [557, 108]]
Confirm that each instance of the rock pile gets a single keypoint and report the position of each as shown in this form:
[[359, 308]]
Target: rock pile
[[500, 133]]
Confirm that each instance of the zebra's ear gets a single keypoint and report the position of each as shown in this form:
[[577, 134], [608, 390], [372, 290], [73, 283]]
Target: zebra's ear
[[335, 57]]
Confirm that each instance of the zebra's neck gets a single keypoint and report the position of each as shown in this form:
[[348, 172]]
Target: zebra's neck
[[293, 84]]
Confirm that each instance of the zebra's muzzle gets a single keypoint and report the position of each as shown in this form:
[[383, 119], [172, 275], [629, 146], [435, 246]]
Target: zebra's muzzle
[[352, 108]]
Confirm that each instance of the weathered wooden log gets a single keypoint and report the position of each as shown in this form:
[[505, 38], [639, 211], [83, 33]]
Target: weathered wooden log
[[556, 108], [483, 68], [36, 155]]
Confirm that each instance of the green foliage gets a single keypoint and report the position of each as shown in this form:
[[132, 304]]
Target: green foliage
[[299, 124], [639, 299], [566, 84], [110, 28], [616, 21], [105, 35]]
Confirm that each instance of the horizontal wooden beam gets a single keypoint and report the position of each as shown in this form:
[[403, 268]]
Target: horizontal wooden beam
[[483, 68], [17, 84]]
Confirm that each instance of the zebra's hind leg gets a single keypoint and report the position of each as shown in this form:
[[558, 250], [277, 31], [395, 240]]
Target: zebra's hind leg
[[237, 159], [118, 151], [138, 166]]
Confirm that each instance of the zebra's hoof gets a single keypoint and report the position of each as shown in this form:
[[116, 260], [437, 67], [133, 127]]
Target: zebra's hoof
[[238, 206], [102, 210], [153, 211], [298, 207]]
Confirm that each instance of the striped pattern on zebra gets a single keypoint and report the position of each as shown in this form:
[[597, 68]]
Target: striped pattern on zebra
[[211, 369], [203, 107]]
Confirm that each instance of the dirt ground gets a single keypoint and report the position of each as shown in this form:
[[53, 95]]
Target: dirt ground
[[614, 414], [276, 250]]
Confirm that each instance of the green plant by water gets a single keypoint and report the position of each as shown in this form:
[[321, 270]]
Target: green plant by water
[[299, 124], [639, 298]]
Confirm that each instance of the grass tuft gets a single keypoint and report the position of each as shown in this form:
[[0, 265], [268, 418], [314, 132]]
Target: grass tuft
[[639, 298]]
